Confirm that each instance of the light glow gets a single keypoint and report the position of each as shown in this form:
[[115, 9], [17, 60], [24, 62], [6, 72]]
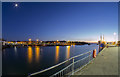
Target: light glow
[[29, 39], [57, 54], [37, 40], [114, 33], [37, 53], [67, 52], [30, 54], [16, 5]]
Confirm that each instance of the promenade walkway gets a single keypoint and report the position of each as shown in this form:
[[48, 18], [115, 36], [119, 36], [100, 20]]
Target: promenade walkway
[[106, 63]]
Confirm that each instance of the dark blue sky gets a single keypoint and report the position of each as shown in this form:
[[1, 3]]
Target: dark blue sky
[[59, 21]]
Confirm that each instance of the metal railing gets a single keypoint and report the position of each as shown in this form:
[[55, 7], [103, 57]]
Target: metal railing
[[77, 63]]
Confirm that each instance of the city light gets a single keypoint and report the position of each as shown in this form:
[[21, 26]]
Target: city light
[[29, 39], [68, 41], [16, 5], [37, 40]]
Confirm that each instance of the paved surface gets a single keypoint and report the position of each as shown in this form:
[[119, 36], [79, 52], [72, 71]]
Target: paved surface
[[106, 63], [0, 59]]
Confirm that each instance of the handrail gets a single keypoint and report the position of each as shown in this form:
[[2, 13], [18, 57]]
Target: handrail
[[51, 67], [64, 68], [57, 64], [82, 54], [82, 59]]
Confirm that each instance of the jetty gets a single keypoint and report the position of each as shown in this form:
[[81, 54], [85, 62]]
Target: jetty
[[106, 63], [101, 62]]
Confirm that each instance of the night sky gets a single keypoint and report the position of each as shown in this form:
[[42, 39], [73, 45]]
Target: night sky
[[59, 21]]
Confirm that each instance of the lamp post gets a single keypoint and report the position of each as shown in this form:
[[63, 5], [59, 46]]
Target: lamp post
[[29, 41], [114, 36], [37, 40]]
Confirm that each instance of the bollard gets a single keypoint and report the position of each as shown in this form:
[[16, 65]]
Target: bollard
[[94, 53], [107, 46]]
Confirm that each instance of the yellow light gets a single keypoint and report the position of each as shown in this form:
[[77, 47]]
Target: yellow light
[[73, 45], [57, 53], [29, 39], [36, 39], [68, 52], [30, 56], [37, 53]]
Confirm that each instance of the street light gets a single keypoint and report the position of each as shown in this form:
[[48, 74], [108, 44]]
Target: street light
[[29, 39], [114, 36], [36, 39], [16, 5], [114, 33]]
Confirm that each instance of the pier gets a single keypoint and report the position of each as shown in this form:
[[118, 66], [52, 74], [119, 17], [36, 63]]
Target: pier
[[106, 63]]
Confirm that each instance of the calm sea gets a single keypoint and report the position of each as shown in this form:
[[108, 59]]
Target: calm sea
[[25, 60]]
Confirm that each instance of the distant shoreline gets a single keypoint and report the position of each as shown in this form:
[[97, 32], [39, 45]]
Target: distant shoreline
[[9, 46]]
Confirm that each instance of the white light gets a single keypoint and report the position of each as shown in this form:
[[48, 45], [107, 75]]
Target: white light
[[114, 33], [16, 5]]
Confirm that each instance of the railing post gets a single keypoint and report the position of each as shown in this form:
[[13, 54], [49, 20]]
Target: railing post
[[73, 67], [89, 56]]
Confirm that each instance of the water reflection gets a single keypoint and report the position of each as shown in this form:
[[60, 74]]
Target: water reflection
[[30, 54], [37, 53], [57, 54], [67, 52], [15, 49], [74, 46]]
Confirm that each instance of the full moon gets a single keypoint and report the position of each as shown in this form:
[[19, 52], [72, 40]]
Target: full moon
[[16, 5]]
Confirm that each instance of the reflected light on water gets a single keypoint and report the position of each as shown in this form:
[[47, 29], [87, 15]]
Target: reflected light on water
[[15, 48], [37, 53], [57, 53], [30, 54], [67, 52], [73, 45]]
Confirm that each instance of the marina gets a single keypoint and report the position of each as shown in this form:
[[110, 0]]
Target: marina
[[59, 39]]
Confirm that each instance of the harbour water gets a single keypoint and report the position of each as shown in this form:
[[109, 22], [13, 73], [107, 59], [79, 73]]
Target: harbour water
[[25, 60]]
